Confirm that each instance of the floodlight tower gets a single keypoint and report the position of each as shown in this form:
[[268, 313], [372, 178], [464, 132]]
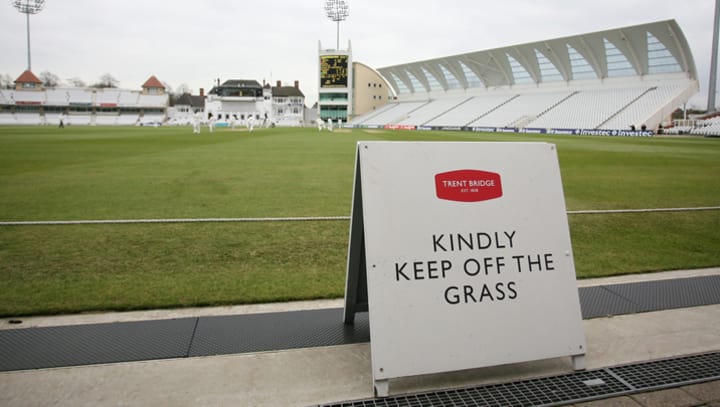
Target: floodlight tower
[[337, 10], [714, 60], [28, 7]]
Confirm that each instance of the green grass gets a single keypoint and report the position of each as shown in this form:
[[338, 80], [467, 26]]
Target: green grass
[[142, 173]]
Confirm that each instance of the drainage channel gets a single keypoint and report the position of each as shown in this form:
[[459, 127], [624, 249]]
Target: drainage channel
[[563, 389]]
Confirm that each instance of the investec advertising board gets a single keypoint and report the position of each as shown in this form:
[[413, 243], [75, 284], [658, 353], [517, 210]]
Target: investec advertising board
[[468, 256]]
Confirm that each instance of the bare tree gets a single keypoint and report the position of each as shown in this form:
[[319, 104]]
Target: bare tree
[[182, 89], [76, 82], [6, 81], [168, 88], [49, 79], [107, 81]]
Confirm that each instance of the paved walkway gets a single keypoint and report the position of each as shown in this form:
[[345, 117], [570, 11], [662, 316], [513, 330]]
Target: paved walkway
[[311, 376]]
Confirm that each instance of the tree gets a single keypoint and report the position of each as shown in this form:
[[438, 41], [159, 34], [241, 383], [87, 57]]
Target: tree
[[107, 81], [76, 82], [183, 89], [168, 89], [6, 81], [49, 79]]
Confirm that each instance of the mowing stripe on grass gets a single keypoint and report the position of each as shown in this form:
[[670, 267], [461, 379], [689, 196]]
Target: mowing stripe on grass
[[310, 218], [188, 220], [606, 211]]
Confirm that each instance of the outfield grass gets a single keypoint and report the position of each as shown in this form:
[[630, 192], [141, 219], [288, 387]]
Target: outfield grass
[[141, 173]]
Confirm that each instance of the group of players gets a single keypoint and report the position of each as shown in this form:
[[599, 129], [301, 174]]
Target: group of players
[[249, 122], [327, 125], [232, 121]]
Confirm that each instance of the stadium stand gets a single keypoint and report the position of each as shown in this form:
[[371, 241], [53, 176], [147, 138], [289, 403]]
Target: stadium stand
[[615, 80], [31, 104], [394, 114]]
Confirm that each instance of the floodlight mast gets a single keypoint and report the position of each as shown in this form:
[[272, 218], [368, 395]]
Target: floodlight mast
[[28, 7], [337, 10], [714, 60]]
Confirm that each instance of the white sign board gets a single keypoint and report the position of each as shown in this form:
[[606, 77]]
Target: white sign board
[[468, 256]]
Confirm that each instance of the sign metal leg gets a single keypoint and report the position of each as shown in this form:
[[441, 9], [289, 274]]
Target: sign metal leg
[[579, 362], [382, 388]]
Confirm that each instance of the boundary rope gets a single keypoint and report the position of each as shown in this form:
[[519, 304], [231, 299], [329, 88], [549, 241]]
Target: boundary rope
[[307, 219]]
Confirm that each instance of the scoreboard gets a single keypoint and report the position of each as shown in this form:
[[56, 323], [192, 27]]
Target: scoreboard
[[333, 71]]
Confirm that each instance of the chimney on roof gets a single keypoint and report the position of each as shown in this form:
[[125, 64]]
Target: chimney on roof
[[279, 84], [297, 84], [202, 92]]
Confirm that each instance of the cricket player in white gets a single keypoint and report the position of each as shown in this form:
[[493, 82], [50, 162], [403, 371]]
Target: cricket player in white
[[196, 122]]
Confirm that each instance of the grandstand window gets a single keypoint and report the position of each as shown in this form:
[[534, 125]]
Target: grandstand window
[[434, 83], [580, 67], [333, 112], [520, 74], [451, 80], [660, 60], [415, 81], [548, 71], [333, 97], [400, 85], [472, 79], [617, 62]]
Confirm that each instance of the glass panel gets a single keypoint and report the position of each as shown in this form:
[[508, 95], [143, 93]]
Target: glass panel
[[451, 80], [579, 66], [472, 79], [660, 60], [434, 83], [520, 74], [617, 62], [548, 71], [400, 84]]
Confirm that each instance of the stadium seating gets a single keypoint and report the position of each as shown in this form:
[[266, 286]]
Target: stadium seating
[[5, 97], [614, 107], [707, 127], [126, 119], [597, 107], [79, 97], [107, 97], [431, 110], [394, 114], [470, 110], [106, 119], [79, 119], [28, 118], [28, 97], [520, 110], [159, 101], [56, 98], [637, 112], [128, 99]]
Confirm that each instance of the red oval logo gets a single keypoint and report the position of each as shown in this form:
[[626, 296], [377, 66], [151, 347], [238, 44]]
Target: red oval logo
[[468, 185]]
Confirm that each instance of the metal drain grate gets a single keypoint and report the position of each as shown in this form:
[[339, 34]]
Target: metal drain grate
[[674, 372], [563, 389]]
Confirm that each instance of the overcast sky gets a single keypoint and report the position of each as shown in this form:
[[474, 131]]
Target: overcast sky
[[192, 43]]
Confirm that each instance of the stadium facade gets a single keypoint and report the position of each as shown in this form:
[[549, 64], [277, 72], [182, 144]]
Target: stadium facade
[[31, 103], [238, 99], [623, 80]]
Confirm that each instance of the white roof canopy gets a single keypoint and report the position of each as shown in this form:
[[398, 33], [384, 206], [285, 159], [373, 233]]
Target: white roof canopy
[[647, 49]]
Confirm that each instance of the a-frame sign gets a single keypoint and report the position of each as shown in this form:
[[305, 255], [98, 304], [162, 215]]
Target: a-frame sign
[[461, 253]]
